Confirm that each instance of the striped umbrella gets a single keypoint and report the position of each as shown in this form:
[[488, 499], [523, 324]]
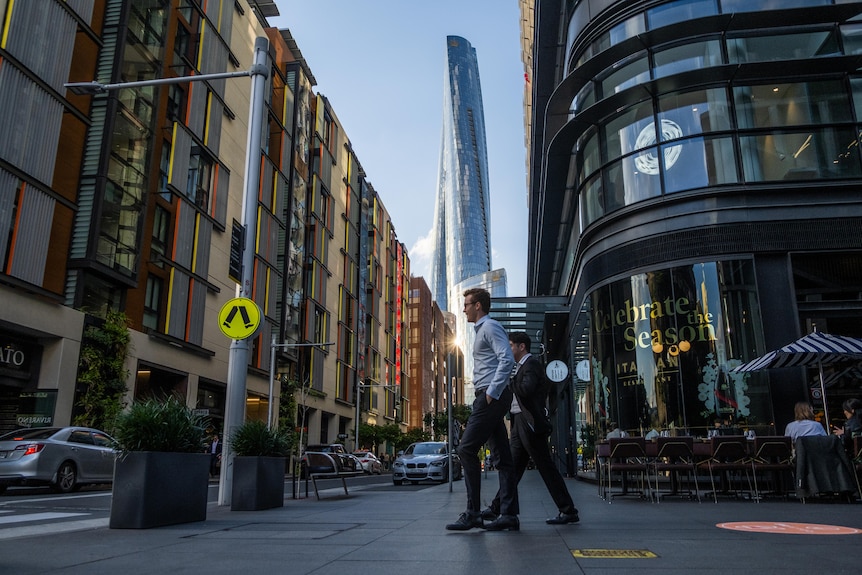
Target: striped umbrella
[[816, 348]]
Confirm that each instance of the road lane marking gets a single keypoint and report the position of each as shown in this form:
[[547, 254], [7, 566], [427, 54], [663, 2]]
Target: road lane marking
[[57, 498], [37, 517], [53, 528]]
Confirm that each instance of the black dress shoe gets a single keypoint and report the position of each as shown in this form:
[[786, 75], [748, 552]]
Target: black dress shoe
[[488, 514], [563, 519], [466, 521], [504, 523]]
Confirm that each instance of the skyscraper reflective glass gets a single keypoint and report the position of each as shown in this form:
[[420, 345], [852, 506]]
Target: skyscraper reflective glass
[[462, 211]]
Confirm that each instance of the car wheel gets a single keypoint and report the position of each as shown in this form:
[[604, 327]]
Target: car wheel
[[67, 478]]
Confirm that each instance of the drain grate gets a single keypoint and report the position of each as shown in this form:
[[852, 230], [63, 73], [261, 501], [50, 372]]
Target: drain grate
[[613, 553]]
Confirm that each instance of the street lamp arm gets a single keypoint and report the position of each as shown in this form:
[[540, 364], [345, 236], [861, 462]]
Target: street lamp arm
[[98, 88]]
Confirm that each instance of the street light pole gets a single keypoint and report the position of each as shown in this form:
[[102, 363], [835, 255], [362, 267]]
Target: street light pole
[[449, 412], [238, 358]]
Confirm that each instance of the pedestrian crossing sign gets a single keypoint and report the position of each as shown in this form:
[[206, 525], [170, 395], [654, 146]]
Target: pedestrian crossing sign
[[239, 318]]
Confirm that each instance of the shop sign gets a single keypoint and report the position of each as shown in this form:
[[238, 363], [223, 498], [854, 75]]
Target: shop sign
[[15, 358], [36, 408]]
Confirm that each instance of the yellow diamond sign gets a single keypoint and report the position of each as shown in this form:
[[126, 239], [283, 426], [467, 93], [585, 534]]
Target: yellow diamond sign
[[239, 318]]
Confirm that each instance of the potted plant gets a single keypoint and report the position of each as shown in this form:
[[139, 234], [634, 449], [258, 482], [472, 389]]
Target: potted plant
[[258, 466], [161, 475]]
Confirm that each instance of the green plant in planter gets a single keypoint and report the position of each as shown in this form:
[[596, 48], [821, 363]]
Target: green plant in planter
[[255, 438], [153, 425]]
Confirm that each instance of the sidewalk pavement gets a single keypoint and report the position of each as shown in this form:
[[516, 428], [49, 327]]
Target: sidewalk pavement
[[387, 530]]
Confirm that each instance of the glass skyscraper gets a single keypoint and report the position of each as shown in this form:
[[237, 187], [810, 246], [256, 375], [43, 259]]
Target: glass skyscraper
[[462, 211]]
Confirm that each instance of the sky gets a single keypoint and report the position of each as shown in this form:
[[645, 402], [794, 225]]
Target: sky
[[381, 63]]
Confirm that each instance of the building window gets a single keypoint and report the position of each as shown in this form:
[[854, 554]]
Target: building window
[[200, 178], [152, 302], [663, 346], [161, 229]]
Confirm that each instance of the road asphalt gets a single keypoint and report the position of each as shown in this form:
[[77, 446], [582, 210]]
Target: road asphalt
[[383, 529]]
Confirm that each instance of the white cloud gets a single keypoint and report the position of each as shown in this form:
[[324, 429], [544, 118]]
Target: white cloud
[[420, 256]]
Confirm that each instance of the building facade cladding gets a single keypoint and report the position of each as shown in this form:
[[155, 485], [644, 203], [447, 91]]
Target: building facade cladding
[[433, 355], [357, 292], [462, 211], [704, 156], [139, 206]]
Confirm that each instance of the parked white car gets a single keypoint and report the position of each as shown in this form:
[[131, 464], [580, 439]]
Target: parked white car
[[369, 461]]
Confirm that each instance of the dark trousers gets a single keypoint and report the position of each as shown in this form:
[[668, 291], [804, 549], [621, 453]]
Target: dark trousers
[[524, 444], [486, 425]]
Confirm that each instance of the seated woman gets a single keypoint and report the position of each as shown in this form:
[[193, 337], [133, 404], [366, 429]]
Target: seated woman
[[853, 426], [804, 423]]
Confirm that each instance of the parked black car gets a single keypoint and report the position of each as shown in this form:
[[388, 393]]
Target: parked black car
[[347, 460]]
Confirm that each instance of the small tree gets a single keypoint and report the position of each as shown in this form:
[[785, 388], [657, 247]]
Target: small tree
[[440, 421], [412, 436], [370, 435]]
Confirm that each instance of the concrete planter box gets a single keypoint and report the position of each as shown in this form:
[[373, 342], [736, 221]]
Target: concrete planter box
[[152, 489], [258, 483]]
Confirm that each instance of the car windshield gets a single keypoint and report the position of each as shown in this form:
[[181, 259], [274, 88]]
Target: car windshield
[[325, 448], [40, 433], [429, 449]]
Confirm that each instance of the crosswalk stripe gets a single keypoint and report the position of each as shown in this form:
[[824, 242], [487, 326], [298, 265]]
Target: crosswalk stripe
[[37, 517], [50, 528]]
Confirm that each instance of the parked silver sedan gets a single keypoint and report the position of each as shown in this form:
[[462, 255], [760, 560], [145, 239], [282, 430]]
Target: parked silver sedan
[[62, 457], [425, 460]]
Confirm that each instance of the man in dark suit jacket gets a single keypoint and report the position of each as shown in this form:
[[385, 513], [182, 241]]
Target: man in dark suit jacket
[[531, 428]]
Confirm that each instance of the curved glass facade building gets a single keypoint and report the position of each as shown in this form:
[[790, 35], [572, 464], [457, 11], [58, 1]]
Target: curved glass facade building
[[462, 246], [695, 178]]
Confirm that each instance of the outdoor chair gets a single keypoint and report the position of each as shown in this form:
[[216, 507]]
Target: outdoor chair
[[773, 458], [673, 456], [857, 457], [626, 455], [728, 456], [823, 468]]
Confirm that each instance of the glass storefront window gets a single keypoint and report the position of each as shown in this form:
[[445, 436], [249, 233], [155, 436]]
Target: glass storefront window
[[782, 47], [851, 37], [628, 74], [585, 97], [632, 130], [591, 201], [686, 57], [780, 105], [663, 345], [695, 112], [856, 88], [681, 11], [731, 6], [632, 179], [806, 155], [698, 163], [588, 157]]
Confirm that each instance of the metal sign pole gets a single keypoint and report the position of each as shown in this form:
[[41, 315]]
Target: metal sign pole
[[238, 358]]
